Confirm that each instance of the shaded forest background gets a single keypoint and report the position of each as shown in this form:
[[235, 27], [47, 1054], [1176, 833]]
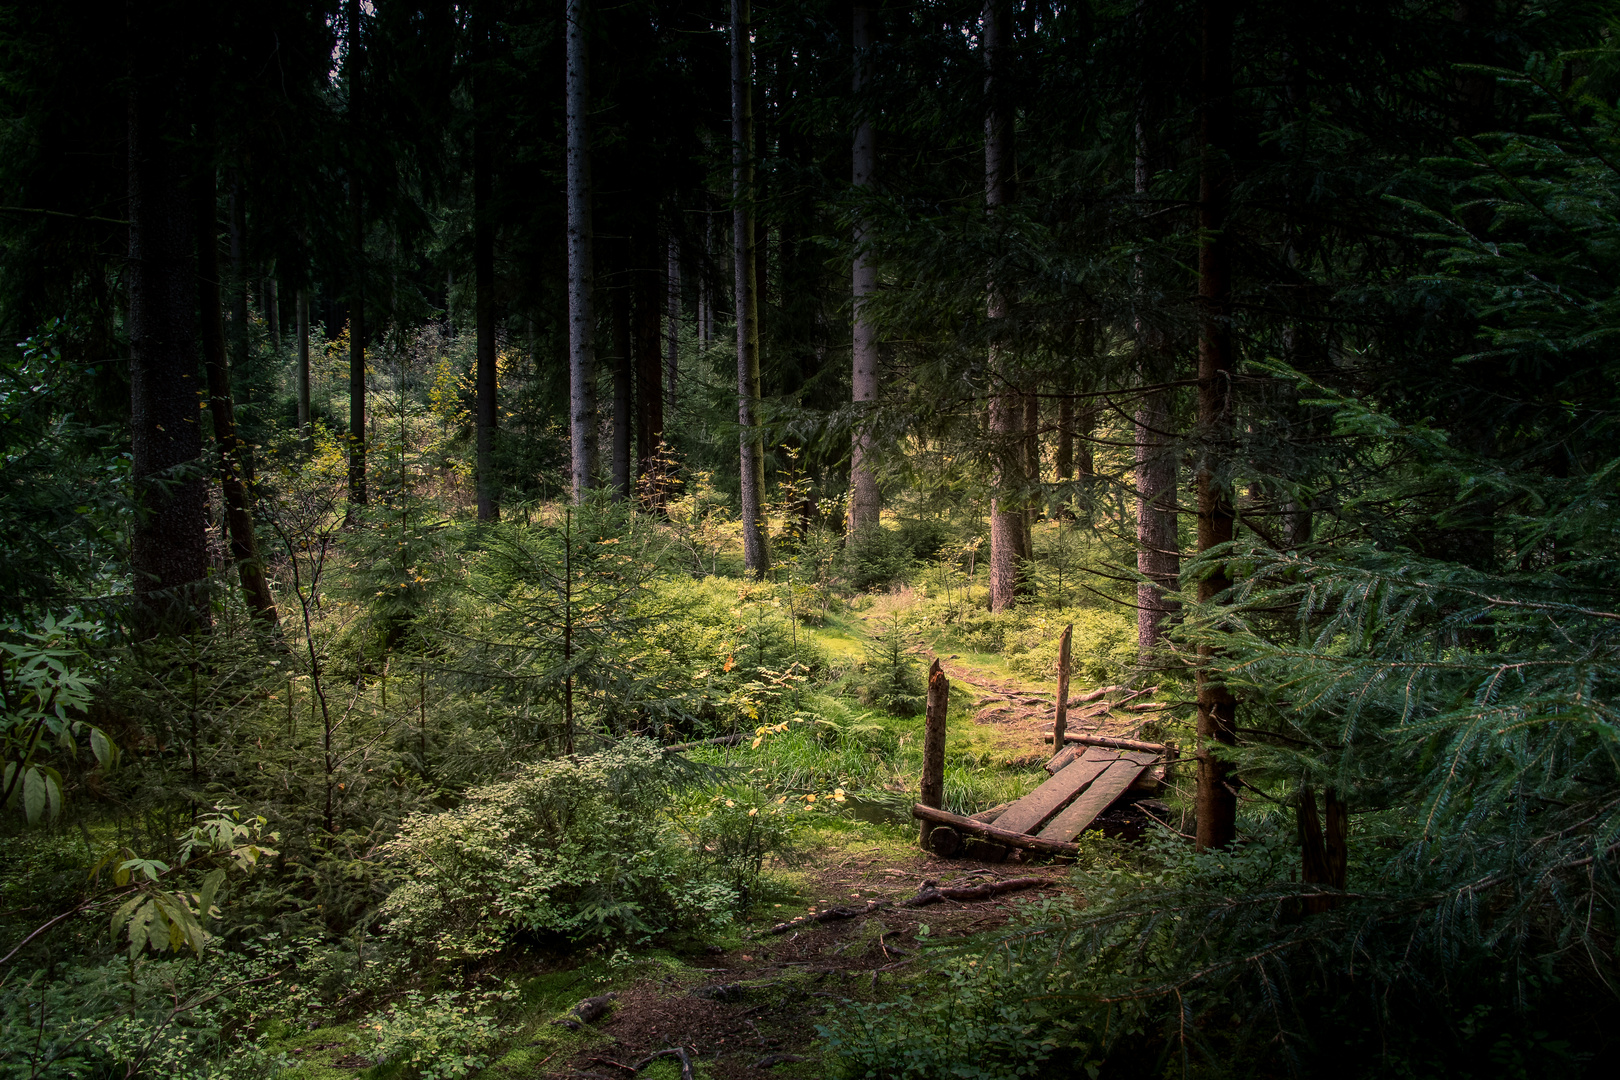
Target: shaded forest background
[[417, 418]]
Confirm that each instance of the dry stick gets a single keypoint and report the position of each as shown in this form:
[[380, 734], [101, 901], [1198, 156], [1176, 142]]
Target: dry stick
[[932, 792], [1061, 723]]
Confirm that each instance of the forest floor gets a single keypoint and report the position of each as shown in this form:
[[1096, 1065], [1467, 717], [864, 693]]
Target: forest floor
[[748, 1004]]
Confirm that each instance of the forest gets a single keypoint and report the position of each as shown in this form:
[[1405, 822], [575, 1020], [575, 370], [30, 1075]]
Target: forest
[[1015, 539]]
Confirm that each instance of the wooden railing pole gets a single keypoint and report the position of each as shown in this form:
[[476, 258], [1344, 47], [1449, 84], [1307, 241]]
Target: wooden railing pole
[[1061, 723], [933, 772]]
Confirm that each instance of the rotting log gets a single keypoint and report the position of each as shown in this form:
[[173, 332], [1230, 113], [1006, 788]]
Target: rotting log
[[944, 841], [1061, 718], [587, 1012], [1059, 762], [1117, 744], [932, 793], [990, 832]]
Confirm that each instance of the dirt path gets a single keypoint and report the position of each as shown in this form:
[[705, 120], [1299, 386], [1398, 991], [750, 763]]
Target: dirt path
[[753, 1011]]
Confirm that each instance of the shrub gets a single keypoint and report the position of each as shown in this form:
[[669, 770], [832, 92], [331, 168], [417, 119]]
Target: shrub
[[876, 557], [577, 848], [735, 830], [888, 678]]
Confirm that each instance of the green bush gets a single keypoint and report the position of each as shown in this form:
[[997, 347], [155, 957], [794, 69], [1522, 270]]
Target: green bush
[[876, 557], [576, 848], [888, 677], [735, 830]]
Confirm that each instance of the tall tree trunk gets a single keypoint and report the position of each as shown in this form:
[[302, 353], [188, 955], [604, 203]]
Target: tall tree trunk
[[672, 347], [272, 313], [484, 277], [305, 431], [623, 320], [355, 64], [169, 550], [652, 301], [865, 501], [581, 277], [756, 556], [1007, 523], [1217, 800], [708, 281], [1158, 545], [1032, 477], [241, 335], [244, 544]]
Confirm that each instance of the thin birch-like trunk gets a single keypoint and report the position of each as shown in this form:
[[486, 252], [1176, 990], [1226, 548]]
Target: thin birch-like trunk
[[581, 277], [1007, 523], [756, 556], [865, 501], [484, 379]]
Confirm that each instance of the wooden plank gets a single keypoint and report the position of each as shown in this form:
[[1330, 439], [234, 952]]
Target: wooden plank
[[979, 828], [1026, 815], [1121, 774]]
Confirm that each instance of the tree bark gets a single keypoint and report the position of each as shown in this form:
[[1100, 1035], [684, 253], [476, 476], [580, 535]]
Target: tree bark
[[1060, 720], [244, 545], [484, 379], [932, 792], [305, 431], [355, 64], [756, 556], [672, 354], [623, 377], [581, 277], [865, 501], [652, 302], [1217, 708], [169, 549], [272, 313], [1007, 522]]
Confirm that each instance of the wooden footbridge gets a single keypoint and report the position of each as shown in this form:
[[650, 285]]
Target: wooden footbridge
[[1089, 774]]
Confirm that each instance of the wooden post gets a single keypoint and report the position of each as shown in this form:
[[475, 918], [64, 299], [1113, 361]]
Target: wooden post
[[1061, 724], [933, 774]]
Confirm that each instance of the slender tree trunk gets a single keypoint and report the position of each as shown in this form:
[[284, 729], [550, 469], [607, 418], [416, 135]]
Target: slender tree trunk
[[1217, 800], [1007, 524], [241, 337], [652, 300], [306, 431], [355, 63], [672, 353], [1063, 452], [865, 501], [1032, 479], [169, 551], [756, 556], [708, 282], [272, 313], [484, 280], [623, 377], [1158, 546], [244, 545], [581, 276]]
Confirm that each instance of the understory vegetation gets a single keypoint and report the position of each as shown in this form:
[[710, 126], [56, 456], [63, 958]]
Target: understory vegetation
[[484, 488]]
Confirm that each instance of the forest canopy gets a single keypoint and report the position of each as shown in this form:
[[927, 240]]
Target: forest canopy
[[508, 511]]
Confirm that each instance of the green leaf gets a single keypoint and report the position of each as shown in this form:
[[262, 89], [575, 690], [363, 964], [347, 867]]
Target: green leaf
[[210, 888], [106, 753], [34, 795]]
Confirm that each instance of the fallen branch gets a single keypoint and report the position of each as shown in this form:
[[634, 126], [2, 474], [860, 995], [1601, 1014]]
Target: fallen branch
[[1115, 744], [832, 914], [990, 832], [933, 894]]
